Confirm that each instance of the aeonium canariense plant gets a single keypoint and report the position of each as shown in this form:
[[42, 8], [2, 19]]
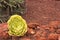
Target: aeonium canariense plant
[[17, 26]]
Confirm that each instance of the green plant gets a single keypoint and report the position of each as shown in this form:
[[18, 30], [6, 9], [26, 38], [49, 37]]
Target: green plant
[[10, 7], [17, 26], [14, 6]]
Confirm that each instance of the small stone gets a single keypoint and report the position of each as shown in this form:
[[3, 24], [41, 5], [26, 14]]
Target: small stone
[[59, 38], [24, 38], [4, 31], [52, 30], [58, 31], [43, 38], [52, 36], [38, 27], [33, 25], [31, 31], [54, 23], [45, 26]]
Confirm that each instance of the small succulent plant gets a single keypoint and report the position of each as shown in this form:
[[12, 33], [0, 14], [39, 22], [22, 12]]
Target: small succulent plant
[[17, 26]]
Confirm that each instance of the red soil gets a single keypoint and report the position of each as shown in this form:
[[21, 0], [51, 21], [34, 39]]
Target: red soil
[[51, 31], [42, 11]]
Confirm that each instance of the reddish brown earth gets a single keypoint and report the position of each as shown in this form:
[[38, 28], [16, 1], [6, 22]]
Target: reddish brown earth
[[50, 31], [43, 19], [42, 11]]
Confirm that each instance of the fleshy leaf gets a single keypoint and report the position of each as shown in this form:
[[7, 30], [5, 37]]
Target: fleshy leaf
[[17, 26]]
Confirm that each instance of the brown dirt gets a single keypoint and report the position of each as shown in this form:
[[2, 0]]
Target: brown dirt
[[42, 11], [43, 19], [35, 31]]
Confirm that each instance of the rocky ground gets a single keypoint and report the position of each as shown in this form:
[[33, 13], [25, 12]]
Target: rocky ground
[[50, 31]]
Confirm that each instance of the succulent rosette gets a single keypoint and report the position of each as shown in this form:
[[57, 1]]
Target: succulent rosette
[[17, 26]]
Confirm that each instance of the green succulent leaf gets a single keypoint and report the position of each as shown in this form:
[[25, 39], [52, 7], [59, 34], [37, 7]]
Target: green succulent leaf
[[17, 26], [19, 1]]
